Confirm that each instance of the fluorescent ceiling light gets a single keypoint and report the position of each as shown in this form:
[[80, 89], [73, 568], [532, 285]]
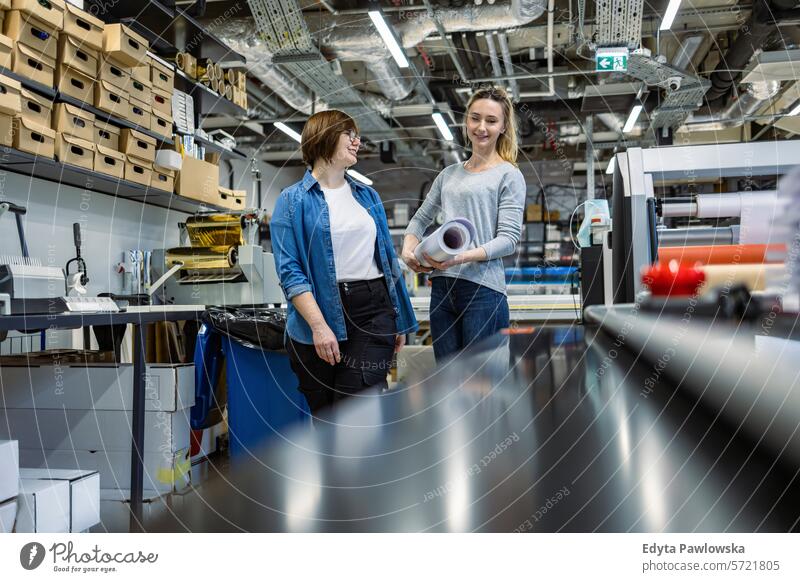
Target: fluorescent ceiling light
[[441, 125], [669, 15], [287, 130], [388, 38], [612, 163], [360, 177], [796, 110], [635, 111]]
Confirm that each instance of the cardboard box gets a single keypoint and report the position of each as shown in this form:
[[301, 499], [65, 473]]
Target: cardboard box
[[198, 180], [43, 506], [124, 45], [142, 72], [138, 171], [115, 508], [9, 469], [8, 516], [162, 76], [140, 114], [114, 73], [107, 135], [72, 120], [75, 84], [6, 130], [110, 162], [164, 471], [163, 179], [111, 99], [138, 145], [35, 107], [31, 137], [60, 385], [37, 35], [232, 199], [10, 96], [84, 493], [75, 151], [50, 12], [73, 54], [162, 100], [161, 123], [140, 91], [29, 63], [6, 47], [84, 27], [94, 430]]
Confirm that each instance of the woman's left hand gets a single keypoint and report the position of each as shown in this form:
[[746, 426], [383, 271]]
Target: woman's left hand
[[457, 260], [399, 342]]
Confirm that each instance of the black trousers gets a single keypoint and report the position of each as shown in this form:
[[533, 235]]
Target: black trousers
[[366, 354]]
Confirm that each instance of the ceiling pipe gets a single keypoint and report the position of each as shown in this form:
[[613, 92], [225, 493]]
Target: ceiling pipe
[[477, 56], [551, 87], [752, 37], [463, 57], [503, 42], [497, 70]]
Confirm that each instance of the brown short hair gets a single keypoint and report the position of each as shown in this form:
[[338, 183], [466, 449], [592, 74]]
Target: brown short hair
[[321, 134]]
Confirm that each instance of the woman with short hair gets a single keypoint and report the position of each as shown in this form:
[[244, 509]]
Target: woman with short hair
[[468, 295], [348, 306]]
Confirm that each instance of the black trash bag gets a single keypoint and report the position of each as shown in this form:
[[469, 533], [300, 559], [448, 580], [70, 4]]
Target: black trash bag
[[252, 327]]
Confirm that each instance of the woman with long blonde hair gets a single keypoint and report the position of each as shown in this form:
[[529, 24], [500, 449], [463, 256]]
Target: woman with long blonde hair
[[468, 295]]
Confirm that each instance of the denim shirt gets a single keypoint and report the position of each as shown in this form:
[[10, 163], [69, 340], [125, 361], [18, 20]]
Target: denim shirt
[[301, 241]]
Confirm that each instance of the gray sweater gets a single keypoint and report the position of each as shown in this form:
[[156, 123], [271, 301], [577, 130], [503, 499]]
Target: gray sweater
[[493, 200]]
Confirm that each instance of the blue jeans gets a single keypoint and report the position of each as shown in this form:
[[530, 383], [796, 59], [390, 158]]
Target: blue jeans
[[462, 313]]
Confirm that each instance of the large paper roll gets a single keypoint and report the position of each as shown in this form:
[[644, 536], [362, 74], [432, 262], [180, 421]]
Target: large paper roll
[[753, 276], [718, 254], [219, 257], [447, 241]]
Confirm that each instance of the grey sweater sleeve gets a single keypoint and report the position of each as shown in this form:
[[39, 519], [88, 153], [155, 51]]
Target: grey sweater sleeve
[[432, 204], [509, 216]]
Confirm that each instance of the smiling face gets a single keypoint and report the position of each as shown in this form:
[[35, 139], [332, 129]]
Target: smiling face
[[485, 122], [346, 152]]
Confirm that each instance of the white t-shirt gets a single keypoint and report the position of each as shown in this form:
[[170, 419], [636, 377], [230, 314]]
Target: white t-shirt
[[353, 233]]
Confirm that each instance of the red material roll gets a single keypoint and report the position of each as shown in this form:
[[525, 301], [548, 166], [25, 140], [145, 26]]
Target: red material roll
[[718, 254]]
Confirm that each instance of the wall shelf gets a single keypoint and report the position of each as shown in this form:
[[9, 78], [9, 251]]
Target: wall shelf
[[53, 171]]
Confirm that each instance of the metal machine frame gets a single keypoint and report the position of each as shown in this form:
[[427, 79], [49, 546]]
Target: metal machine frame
[[633, 206]]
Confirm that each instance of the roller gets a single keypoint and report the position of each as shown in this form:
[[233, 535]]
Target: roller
[[218, 72], [447, 241], [230, 76], [208, 66], [755, 277], [217, 257], [719, 254], [673, 237], [228, 92]]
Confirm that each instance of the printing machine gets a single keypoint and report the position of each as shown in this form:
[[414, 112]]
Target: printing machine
[[219, 262], [634, 240]]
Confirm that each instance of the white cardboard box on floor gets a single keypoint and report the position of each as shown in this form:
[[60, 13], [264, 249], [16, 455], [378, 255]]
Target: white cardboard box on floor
[[84, 493], [93, 430], [8, 515], [43, 506], [115, 508], [163, 471], [9, 469], [168, 387]]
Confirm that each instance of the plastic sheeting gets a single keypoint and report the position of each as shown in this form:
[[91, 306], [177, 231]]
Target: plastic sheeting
[[252, 327]]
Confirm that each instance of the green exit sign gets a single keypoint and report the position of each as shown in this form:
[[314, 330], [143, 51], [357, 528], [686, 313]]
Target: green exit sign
[[611, 60]]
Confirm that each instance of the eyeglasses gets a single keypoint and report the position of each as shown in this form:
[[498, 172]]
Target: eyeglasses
[[351, 133]]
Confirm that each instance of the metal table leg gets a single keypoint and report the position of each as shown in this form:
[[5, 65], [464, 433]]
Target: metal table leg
[[137, 429]]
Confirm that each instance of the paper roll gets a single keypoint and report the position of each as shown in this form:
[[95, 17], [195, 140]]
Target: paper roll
[[447, 241], [219, 257], [753, 276], [718, 254]]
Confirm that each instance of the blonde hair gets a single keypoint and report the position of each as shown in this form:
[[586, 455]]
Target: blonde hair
[[507, 142]]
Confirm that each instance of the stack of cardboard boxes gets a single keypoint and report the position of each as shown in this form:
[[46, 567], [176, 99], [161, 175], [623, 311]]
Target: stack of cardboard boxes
[[33, 27]]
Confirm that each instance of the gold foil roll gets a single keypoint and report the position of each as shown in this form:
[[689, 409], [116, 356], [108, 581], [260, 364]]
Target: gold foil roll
[[228, 92], [216, 257], [214, 230], [230, 76]]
